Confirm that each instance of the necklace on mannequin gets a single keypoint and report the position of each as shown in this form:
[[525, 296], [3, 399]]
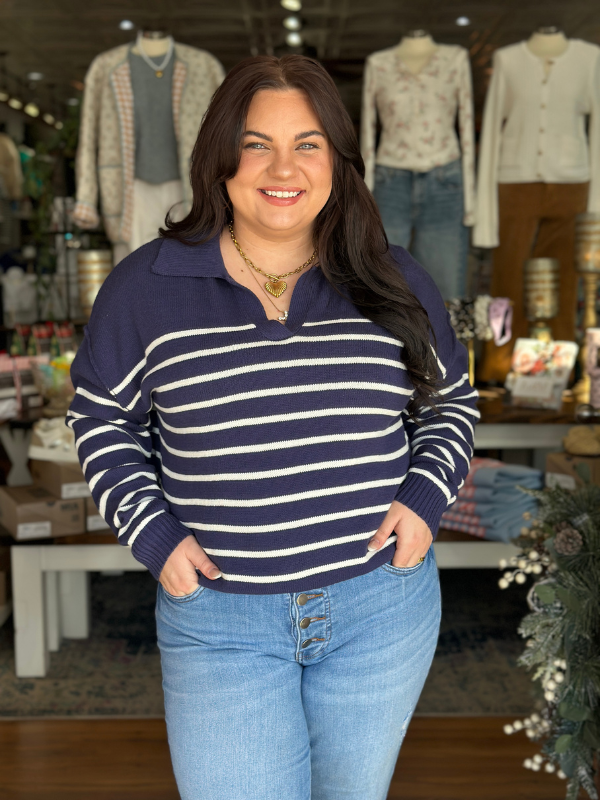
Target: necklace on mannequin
[[158, 69]]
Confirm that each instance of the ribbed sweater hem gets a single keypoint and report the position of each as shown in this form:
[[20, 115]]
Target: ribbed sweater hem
[[424, 498], [156, 543]]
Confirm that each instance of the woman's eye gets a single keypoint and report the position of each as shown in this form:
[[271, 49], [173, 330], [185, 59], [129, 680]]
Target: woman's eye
[[253, 144]]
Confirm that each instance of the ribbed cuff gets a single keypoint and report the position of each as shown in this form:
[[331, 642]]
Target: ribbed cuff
[[424, 498], [157, 541]]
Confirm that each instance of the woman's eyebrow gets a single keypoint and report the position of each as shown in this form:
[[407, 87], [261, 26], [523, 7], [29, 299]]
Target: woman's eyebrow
[[308, 133], [256, 133], [296, 137]]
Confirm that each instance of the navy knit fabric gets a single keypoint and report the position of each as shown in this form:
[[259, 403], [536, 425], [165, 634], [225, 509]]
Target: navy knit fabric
[[280, 447]]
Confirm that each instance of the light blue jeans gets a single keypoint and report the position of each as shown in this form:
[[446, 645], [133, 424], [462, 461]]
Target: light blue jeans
[[428, 205], [296, 696]]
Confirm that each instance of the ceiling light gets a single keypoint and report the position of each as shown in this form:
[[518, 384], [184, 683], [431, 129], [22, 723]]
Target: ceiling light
[[462, 21], [126, 25], [292, 23], [35, 76], [58, 125], [4, 97], [49, 119], [14, 103], [32, 110], [293, 39], [73, 101], [291, 5]]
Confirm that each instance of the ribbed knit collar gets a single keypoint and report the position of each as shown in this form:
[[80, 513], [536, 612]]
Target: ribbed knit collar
[[190, 261]]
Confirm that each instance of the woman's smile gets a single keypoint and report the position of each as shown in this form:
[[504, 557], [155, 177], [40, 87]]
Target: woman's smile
[[281, 196]]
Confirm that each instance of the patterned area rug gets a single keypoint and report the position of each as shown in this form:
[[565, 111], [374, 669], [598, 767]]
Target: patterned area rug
[[116, 672]]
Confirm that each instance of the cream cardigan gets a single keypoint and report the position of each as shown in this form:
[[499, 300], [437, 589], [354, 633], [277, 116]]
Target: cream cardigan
[[534, 127], [106, 152]]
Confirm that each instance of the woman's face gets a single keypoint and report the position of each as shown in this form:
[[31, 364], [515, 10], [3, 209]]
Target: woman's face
[[284, 148]]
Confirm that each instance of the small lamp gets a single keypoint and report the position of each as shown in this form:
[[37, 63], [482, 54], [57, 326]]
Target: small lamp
[[587, 259], [541, 295]]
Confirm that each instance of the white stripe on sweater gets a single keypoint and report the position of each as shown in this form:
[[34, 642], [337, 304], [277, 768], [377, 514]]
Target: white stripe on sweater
[[238, 347], [305, 573], [285, 445], [293, 416], [289, 551], [278, 391], [284, 471], [330, 491], [291, 525], [169, 337]]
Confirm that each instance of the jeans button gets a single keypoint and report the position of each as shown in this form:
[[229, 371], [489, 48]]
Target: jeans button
[[302, 599], [306, 642], [304, 623]]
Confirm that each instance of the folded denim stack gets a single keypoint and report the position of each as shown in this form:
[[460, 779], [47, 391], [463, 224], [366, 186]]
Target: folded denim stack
[[490, 505]]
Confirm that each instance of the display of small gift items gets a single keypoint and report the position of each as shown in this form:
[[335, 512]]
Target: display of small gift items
[[482, 318], [540, 372], [561, 548]]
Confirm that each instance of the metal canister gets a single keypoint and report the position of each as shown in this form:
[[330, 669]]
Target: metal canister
[[541, 288], [93, 266]]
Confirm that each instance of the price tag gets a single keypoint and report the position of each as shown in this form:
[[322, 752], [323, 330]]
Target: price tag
[[540, 387]]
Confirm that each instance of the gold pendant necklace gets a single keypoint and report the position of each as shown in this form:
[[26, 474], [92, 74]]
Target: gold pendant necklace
[[275, 285]]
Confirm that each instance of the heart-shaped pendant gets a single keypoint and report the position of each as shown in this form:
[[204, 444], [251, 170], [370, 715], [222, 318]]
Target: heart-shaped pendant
[[276, 287]]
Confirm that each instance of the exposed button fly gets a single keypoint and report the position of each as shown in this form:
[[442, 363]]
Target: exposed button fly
[[304, 623], [302, 599]]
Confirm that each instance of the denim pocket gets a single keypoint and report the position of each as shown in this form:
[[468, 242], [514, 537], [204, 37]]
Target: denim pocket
[[389, 567], [450, 175], [184, 598]]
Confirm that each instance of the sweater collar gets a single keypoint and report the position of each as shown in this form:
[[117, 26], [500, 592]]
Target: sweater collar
[[190, 261]]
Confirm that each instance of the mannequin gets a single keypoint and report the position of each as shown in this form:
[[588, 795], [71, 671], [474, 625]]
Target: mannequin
[[538, 169], [421, 174], [143, 104], [416, 50]]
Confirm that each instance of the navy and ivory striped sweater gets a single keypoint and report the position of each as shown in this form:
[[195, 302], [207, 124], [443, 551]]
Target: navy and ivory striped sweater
[[280, 447]]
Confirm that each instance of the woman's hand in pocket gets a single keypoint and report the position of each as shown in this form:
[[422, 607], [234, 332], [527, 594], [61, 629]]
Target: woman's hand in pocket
[[178, 575], [414, 536]]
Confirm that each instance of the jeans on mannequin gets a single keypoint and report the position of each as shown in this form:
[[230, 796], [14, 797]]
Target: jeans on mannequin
[[428, 206]]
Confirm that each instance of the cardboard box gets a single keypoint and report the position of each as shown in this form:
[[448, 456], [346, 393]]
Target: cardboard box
[[61, 479], [561, 470], [93, 520], [31, 512]]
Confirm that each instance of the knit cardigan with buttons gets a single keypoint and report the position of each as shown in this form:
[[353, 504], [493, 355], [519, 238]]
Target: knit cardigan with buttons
[[279, 447]]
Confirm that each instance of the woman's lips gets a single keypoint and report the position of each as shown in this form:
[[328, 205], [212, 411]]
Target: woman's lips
[[281, 201]]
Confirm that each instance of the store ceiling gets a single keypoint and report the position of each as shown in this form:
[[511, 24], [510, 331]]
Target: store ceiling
[[61, 37]]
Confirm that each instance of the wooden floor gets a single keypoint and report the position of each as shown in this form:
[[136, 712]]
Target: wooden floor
[[443, 758]]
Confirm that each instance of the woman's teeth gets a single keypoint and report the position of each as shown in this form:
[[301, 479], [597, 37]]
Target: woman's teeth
[[280, 194]]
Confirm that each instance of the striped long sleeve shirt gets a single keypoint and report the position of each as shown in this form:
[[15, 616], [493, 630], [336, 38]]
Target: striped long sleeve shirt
[[280, 447]]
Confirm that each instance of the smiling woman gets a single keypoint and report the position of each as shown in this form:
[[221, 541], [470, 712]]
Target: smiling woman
[[273, 412]]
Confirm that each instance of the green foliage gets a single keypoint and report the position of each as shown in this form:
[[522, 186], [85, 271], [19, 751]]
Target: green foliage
[[564, 626]]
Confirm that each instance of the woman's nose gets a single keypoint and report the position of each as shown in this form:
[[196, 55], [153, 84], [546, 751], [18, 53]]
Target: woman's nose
[[282, 164]]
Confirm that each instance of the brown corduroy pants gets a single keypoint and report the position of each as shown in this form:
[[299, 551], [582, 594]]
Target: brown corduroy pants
[[536, 220]]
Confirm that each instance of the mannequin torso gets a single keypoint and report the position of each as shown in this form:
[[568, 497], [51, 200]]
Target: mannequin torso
[[547, 46], [416, 52], [153, 47]]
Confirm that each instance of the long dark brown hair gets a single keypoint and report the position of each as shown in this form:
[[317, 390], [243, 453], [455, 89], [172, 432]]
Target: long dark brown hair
[[349, 236]]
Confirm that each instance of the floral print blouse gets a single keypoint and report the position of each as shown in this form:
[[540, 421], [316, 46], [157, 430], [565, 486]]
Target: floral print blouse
[[418, 115]]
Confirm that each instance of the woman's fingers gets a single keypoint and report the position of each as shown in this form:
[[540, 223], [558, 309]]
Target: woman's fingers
[[414, 536], [179, 576]]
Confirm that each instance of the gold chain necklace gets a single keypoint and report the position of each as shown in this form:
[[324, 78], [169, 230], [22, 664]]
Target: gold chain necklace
[[283, 312], [275, 285]]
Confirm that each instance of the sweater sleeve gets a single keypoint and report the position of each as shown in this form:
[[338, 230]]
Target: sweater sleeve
[[441, 442], [114, 445], [368, 123], [85, 212], [594, 137], [467, 137], [485, 232]]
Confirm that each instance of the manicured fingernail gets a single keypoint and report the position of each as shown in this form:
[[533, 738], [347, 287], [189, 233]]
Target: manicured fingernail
[[373, 545], [214, 573]]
